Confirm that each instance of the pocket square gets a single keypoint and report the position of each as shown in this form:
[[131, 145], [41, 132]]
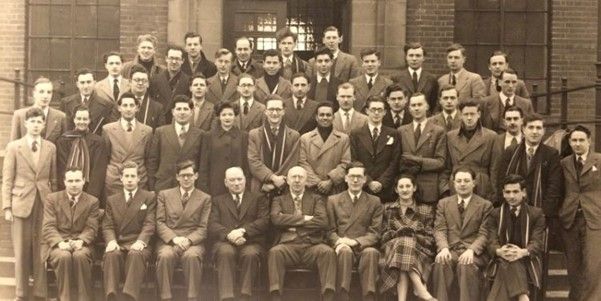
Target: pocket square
[[594, 168], [144, 207], [390, 140]]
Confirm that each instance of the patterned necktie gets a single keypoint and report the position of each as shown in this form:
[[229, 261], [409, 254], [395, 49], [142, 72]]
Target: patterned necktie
[[508, 103], [297, 206], [514, 140], [418, 132], [355, 199], [116, 89], [299, 104], [514, 211], [453, 80], [245, 109], [130, 126], [72, 201], [223, 83], [34, 146], [182, 132], [185, 198], [274, 131], [461, 207], [238, 201], [131, 197], [449, 122], [397, 120], [529, 156], [370, 83], [414, 80], [374, 134], [347, 120], [85, 100]]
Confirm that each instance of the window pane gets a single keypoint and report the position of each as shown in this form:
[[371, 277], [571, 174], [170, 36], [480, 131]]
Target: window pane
[[85, 20], [464, 4], [535, 61], [515, 28], [108, 21], [244, 22], [60, 20], [464, 33], [488, 27], [38, 57], [105, 46], [517, 60], [535, 30], [537, 4], [59, 53], [489, 4], [39, 19], [108, 2], [519, 5], [84, 53], [482, 55]]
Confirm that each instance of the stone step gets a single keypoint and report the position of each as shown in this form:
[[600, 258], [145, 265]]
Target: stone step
[[556, 295], [7, 267]]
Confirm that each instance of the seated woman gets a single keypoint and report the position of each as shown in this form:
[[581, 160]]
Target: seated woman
[[407, 243]]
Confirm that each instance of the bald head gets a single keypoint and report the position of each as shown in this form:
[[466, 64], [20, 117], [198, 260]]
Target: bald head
[[235, 181], [297, 178]]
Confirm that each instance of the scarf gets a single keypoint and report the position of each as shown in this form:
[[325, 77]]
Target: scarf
[[79, 155], [515, 167]]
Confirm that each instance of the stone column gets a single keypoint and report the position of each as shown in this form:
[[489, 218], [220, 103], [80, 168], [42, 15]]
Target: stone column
[[202, 16]]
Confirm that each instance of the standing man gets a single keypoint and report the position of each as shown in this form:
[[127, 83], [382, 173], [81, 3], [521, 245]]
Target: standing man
[[151, 112], [514, 121], [55, 120], [355, 220], [299, 108], [238, 225], [195, 60], [251, 111], [271, 82], [370, 83], [324, 83], [147, 45], [497, 64], [28, 176], [112, 86], [450, 116], [346, 119], [415, 78], [171, 81], [293, 64], [127, 227], [344, 66], [222, 85], [181, 222], [469, 85], [301, 221], [173, 143], [579, 216], [202, 114], [244, 62], [398, 113]]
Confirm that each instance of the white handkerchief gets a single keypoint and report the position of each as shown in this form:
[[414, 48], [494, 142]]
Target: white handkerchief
[[390, 140], [144, 207], [594, 168]]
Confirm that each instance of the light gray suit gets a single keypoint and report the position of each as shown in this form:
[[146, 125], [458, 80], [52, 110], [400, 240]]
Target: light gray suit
[[324, 159], [346, 66], [469, 85], [362, 91], [358, 120], [253, 119], [104, 88], [215, 94], [56, 124]]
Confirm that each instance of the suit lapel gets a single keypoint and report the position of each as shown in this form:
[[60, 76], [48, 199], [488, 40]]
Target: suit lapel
[[469, 211], [80, 207], [365, 138], [246, 200], [253, 111], [588, 164], [408, 136], [421, 82], [131, 209], [262, 85], [356, 209], [378, 85], [461, 80], [66, 207], [425, 135], [472, 145], [362, 86], [26, 152], [231, 205], [104, 87], [454, 211], [51, 122], [203, 112], [381, 142], [329, 143], [44, 156]]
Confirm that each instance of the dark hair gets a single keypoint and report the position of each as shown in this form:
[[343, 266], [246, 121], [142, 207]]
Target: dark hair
[[176, 48], [183, 99], [413, 45], [81, 107], [332, 28], [418, 94], [369, 51], [509, 71], [411, 177], [128, 95], [323, 50], [580, 128], [533, 117], [271, 97], [355, 164], [137, 68], [324, 104], [181, 165], [246, 75], [74, 168], [375, 98], [250, 42], [456, 46], [284, 33], [469, 103], [514, 179], [198, 75], [34, 112], [218, 108], [514, 109], [191, 34], [396, 87], [82, 71], [222, 51], [128, 164], [106, 56], [497, 53], [300, 74], [446, 87], [467, 169], [272, 52]]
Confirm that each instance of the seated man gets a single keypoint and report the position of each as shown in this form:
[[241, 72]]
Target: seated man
[[460, 234], [301, 220], [355, 220], [182, 217], [516, 243], [69, 229]]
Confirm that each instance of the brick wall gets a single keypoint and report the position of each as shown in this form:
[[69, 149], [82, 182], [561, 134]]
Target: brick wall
[[142, 17]]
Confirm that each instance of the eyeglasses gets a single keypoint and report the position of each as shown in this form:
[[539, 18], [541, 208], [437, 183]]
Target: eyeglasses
[[186, 175], [277, 110], [245, 85]]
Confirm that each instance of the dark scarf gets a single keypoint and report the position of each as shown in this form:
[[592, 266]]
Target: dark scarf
[[147, 65], [324, 132], [273, 147], [272, 82], [79, 155], [468, 134], [517, 157]]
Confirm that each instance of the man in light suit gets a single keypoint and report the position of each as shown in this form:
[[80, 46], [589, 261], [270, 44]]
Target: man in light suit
[[347, 118], [147, 45], [151, 111], [222, 85], [460, 233], [415, 78], [370, 83], [71, 220], [424, 151], [195, 61], [171, 81], [182, 218], [126, 139], [469, 85], [579, 216], [271, 82], [55, 120], [251, 111], [238, 225], [202, 113], [398, 112], [301, 221], [127, 228], [28, 176], [497, 64], [497, 103], [449, 117], [355, 218], [272, 149], [114, 85], [292, 63], [324, 83], [345, 66], [325, 153], [244, 62], [300, 109], [173, 143]]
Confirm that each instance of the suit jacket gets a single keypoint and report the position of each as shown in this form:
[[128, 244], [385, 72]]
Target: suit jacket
[[297, 65], [497, 151], [283, 89], [104, 88], [346, 66], [469, 85], [162, 91], [215, 94], [63, 222], [432, 153], [361, 221], [253, 119], [450, 232], [164, 153], [427, 85], [358, 120], [380, 159], [520, 89], [285, 220], [154, 69], [440, 121], [23, 179], [102, 111], [253, 68], [496, 110], [204, 120], [388, 119], [151, 112], [324, 159], [173, 219], [56, 124], [206, 67], [583, 190], [303, 120], [129, 222], [332, 90], [362, 91], [253, 216]]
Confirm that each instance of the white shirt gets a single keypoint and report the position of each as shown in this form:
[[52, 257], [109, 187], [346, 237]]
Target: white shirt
[[178, 128], [76, 197], [296, 101], [127, 192], [422, 125], [509, 137], [534, 147], [583, 156], [343, 116], [38, 140], [112, 81], [327, 77], [418, 71], [373, 77], [124, 124], [353, 196], [242, 101], [504, 99], [182, 191], [83, 97], [372, 127], [335, 54], [287, 58], [517, 209], [466, 201], [445, 115], [241, 194]]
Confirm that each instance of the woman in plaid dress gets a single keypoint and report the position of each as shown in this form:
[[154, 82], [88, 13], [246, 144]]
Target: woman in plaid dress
[[407, 243]]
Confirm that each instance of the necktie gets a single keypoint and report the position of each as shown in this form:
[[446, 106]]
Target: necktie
[[497, 86], [34, 146], [245, 109], [414, 80], [72, 201], [116, 89], [453, 80], [397, 120], [182, 132], [321, 91], [185, 198], [130, 197], [374, 134], [288, 62], [579, 164], [355, 199], [299, 104], [297, 206], [238, 201], [461, 207], [514, 211], [223, 83], [507, 103], [130, 126], [418, 132], [347, 120], [529, 156], [514, 140], [370, 83], [85, 100], [274, 131], [449, 122]]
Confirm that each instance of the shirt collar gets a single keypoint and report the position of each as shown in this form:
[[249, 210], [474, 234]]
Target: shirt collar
[[241, 194], [126, 193], [250, 102], [445, 114], [350, 112], [423, 124], [335, 54], [518, 208], [509, 137], [352, 196], [371, 127], [297, 99], [31, 139], [182, 191], [124, 123], [77, 197], [112, 79], [465, 200], [534, 147], [419, 71], [584, 156], [319, 77], [505, 97], [367, 77], [299, 196], [178, 127]]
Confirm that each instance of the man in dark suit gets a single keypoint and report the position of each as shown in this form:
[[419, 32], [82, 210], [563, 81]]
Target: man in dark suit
[[347, 119], [222, 85], [114, 85], [460, 233], [293, 64], [537, 163], [299, 108], [202, 113], [378, 148], [102, 110], [415, 78], [28, 176], [344, 66], [370, 83], [147, 45], [514, 121], [127, 228], [449, 117], [251, 111], [324, 83], [71, 219], [171, 81], [271, 82], [244, 62], [398, 112], [423, 146], [195, 60], [151, 112], [355, 220], [173, 143], [469, 85], [238, 224], [516, 244], [182, 218], [301, 221], [497, 64]]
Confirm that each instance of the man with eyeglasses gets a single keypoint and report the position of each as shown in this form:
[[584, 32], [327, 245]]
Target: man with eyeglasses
[[272, 149], [378, 147], [170, 82], [151, 112], [251, 111]]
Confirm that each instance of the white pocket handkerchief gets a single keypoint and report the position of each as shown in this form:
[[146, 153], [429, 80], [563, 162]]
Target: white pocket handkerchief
[[144, 207], [594, 168], [390, 140]]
